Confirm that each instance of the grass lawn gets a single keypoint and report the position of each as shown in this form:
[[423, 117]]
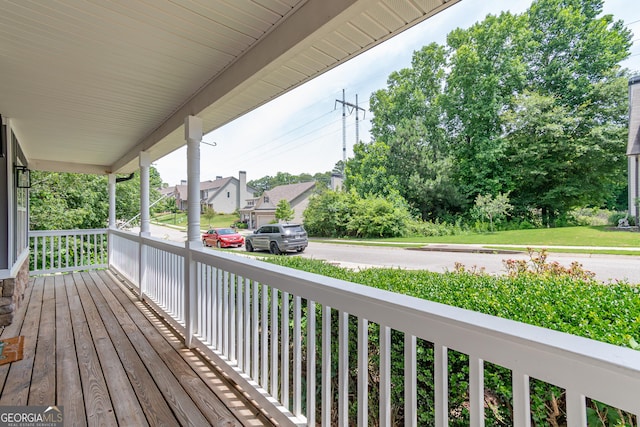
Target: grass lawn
[[180, 219], [566, 236]]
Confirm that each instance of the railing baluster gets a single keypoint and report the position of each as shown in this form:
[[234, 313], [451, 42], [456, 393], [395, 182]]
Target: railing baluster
[[326, 366], [225, 314], [343, 368], [576, 409], [66, 254], [239, 332], [441, 386], [410, 387], [311, 364], [255, 331], [220, 314], [51, 240], [274, 342], [247, 327], [44, 252], [521, 399], [284, 352], [35, 253], [264, 342], [363, 372], [209, 308], [297, 357], [59, 254], [385, 375], [476, 390], [231, 348]]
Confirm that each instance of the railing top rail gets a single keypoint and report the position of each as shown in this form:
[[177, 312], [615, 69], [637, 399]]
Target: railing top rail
[[548, 355], [75, 232], [154, 242]]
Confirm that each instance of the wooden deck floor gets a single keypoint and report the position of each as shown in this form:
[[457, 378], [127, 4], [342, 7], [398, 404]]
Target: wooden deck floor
[[92, 348]]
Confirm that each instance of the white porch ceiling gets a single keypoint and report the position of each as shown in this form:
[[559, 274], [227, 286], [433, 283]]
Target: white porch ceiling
[[88, 84]]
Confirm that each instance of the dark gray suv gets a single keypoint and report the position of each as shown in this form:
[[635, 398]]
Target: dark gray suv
[[277, 238]]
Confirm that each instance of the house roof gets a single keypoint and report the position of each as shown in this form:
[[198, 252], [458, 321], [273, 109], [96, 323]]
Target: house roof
[[204, 185], [633, 145], [288, 192], [88, 85]]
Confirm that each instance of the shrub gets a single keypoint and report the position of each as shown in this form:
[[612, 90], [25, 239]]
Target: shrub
[[342, 214], [418, 227], [537, 293]]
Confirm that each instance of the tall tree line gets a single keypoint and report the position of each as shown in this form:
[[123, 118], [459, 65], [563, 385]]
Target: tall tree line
[[532, 105]]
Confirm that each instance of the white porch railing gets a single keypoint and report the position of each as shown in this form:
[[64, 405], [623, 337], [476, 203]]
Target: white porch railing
[[264, 320], [55, 251]]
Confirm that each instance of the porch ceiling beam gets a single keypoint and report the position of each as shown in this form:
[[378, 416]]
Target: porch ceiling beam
[[284, 41], [52, 166]]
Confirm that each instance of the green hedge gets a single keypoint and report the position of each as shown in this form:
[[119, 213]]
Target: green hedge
[[584, 307]]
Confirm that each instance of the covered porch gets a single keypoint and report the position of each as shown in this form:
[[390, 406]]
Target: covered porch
[[143, 331]]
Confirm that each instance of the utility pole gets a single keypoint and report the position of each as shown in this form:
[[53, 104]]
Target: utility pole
[[352, 108]]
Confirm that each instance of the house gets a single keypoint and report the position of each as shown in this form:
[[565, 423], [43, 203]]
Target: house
[[262, 210], [223, 195], [142, 331]]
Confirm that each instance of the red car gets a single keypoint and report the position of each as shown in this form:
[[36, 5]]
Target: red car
[[222, 238]]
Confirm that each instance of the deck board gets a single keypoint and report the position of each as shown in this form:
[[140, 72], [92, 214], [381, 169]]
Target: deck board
[[43, 378], [93, 348], [68, 381], [98, 407], [124, 401]]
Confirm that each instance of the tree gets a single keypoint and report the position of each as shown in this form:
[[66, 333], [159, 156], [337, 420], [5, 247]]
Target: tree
[[570, 48], [450, 127], [340, 214], [284, 212], [66, 200], [368, 171], [209, 214], [61, 201], [283, 178], [486, 69], [328, 213], [493, 208], [555, 167]]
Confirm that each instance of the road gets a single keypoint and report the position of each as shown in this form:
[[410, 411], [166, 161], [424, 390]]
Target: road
[[606, 267]]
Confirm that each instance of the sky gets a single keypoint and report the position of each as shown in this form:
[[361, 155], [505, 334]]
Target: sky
[[302, 132]]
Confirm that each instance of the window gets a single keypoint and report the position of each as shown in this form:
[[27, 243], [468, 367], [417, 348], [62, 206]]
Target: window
[[266, 199], [228, 194]]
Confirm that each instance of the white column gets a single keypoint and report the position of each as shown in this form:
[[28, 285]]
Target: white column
[[145, 162], [193, 135], [112, 216], [112, 200]]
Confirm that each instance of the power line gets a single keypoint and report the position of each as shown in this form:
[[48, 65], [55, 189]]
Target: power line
[[273, 150]]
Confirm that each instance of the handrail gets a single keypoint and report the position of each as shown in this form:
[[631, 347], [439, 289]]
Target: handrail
[[248, 314], [56, 251]]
